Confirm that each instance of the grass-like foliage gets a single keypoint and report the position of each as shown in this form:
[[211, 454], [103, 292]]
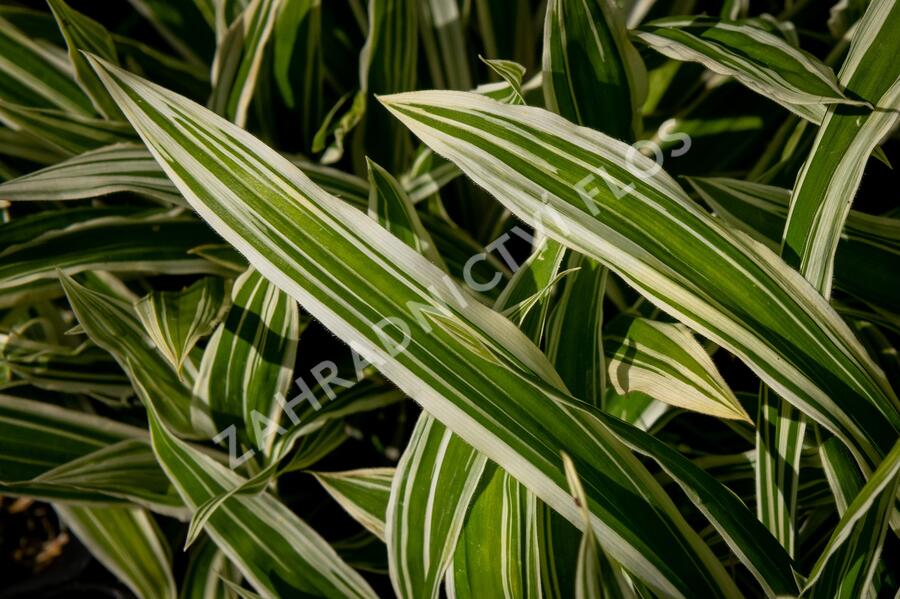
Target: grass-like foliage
[[476, 299]]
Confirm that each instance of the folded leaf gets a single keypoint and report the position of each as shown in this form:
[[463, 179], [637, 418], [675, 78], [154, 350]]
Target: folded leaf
[[667, 363], [363, 493], [175, 321]]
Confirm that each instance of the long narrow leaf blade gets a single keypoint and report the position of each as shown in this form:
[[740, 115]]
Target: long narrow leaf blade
[[762, 61], [127, 541]]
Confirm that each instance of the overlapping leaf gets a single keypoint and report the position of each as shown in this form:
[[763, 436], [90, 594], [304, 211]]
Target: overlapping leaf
[[291, 231], [762, 61], [597, 196]]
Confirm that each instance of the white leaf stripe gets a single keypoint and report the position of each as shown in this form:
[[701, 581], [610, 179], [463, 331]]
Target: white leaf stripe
[[668, 249], [291, 230]]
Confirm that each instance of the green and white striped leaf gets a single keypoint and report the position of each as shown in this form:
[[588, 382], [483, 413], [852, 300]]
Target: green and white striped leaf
[[297, 69], [128, 542], [387, 64], [247, 364], [425, 523], [762, 61], [809, 244], [867, 243], [239, 58], [667, 363], [442, 34], [126, 470], [69, 435], [747, 537], [42, 441], [364, 494], [391, 207], [525, 299], [843, 476], [453, 497], [601, 198], [83, 34], [574, 331], [176, 320], [846, 566], [314, 433], [29, 227], [588, 577], [112, 169], [84, 368], [274, 550], [435, 481], [151, 242], [37, 75], [25, 146], [520, 538], [592, 74], [500, 529], [207, 571], [829, 178], [71, 133], [113, 325], [493, 397], [780, 430]]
